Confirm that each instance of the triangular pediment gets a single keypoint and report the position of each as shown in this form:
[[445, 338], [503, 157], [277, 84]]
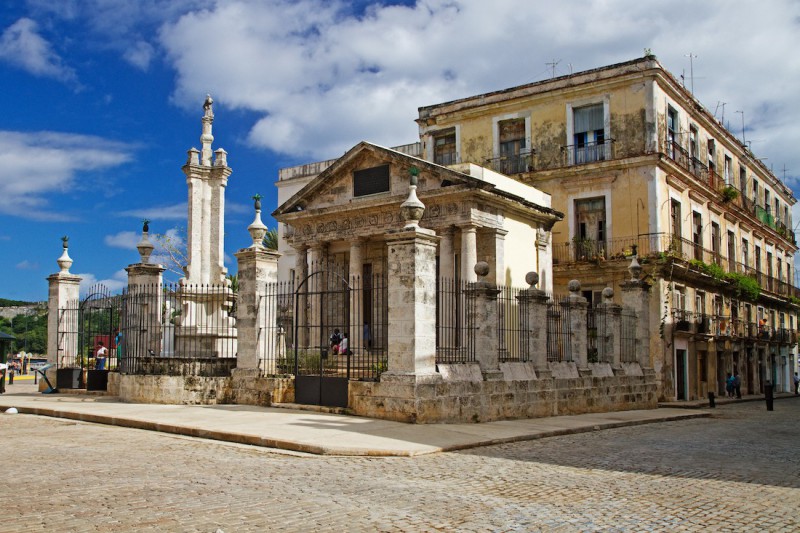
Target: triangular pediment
[[368, 172]]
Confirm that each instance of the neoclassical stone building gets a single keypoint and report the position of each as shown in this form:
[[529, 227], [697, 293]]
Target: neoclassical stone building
[[341, 216]]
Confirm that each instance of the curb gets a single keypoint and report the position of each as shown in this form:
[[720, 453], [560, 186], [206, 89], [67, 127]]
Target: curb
[[293, 446]]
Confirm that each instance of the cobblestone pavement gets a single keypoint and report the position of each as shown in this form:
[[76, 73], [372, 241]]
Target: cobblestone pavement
[[738, 471]]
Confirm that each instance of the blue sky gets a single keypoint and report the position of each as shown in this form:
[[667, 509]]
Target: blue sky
[[102, 98]]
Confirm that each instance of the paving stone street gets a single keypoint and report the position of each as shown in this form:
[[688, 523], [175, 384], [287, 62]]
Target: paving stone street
[[737, 471]]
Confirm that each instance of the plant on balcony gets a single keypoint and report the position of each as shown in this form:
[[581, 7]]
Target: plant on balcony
[[729, 193], [745, 287], [711, 269]]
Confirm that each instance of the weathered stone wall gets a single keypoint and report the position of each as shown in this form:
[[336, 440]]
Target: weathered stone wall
[[472, 400], [244, 387]]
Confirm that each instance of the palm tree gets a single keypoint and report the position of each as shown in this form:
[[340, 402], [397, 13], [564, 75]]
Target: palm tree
[[271, 239]]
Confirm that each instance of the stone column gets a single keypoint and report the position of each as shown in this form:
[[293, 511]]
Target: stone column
[[300, 272], [577, 323], [412, 303], [493, 252], [446, 263], [636, 296], [62, 319], [609, 344], [533, 313], [483, 314], [358, 282], [544, 259], [469, 252]]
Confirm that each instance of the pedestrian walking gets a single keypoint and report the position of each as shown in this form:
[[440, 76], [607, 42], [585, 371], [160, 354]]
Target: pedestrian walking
[[796, 384], [737, 385], [729, 389]]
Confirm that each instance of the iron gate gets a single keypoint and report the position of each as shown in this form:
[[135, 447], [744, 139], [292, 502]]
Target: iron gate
[[338, 335], [83, 327]]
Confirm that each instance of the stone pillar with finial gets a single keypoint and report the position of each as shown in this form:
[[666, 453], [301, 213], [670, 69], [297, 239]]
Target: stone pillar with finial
[[411, 295], [533, 315], [63, 301], [144, 304], [257, 305], [482, 315], [608, 322], [578, 307], [636, 297]]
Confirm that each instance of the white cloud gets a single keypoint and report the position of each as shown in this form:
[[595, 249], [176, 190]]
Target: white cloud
[[27, 265], [126, 240], [113, 285], [36, 165], [321, 78], [162, 212], [139, 55], [23, 46]]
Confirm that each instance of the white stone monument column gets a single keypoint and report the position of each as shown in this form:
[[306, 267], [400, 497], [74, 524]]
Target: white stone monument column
[[487, 334], [578, 306], [446, 258], [63, 303]]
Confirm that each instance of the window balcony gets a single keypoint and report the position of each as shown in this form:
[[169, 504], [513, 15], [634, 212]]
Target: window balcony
[[512, 164], [447, 158], [588, 153]]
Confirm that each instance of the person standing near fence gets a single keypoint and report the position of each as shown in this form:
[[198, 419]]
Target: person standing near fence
[[100, 356], [118, 344]]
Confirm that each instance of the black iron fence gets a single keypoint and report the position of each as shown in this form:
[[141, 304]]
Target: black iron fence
[[627, 336], [178, 329], [512, 326], [87, 331], [559, 336], [455, 327]]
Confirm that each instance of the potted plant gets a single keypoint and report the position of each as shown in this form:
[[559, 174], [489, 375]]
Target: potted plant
[[729, 193]]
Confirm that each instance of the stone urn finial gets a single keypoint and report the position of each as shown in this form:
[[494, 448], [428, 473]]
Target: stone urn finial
[[574, 287], [144, 246], [412, 209], [635, 269], [65, 261], [257, 229], [532, 279]]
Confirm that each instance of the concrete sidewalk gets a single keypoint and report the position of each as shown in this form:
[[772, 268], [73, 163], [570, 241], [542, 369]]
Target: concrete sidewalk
[[315, 432]]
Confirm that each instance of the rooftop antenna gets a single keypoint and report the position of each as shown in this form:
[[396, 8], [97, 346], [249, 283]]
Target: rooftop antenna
[[683, 78], [691, 70], [570, 68], [553, 65], [784, 173], [742, 112]]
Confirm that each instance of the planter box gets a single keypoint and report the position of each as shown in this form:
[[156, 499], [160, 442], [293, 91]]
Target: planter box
[[69, 378], [96, 380]]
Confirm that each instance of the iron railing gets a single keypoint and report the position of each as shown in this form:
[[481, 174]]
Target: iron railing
[[455, 328], [559, 335], [588, 153], [178, 329], [512, 326], [512, 164]]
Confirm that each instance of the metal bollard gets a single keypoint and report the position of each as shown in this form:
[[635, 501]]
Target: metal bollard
[[712, 402], [768, 395]]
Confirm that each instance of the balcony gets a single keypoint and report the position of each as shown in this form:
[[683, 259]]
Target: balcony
[[588, 153], [512, 164], [724, 326]]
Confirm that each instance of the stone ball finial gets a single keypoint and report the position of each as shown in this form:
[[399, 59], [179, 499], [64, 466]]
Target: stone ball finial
[[608, 294], [481, 269], [532, 279], [574, 286]]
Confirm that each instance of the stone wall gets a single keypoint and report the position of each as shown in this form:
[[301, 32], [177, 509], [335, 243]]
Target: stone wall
[[461, 398], [244, 387]]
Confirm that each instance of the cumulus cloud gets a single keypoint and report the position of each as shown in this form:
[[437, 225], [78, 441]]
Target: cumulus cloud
[[113, 285], [22, 45], [37, 165], [160, 212], [139, 54], [126, 240], [322, 77]]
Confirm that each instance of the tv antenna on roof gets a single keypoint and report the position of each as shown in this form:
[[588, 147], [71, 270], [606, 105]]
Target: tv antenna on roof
[[743, 141], [691, 70], [553, 64], [723, 110]]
